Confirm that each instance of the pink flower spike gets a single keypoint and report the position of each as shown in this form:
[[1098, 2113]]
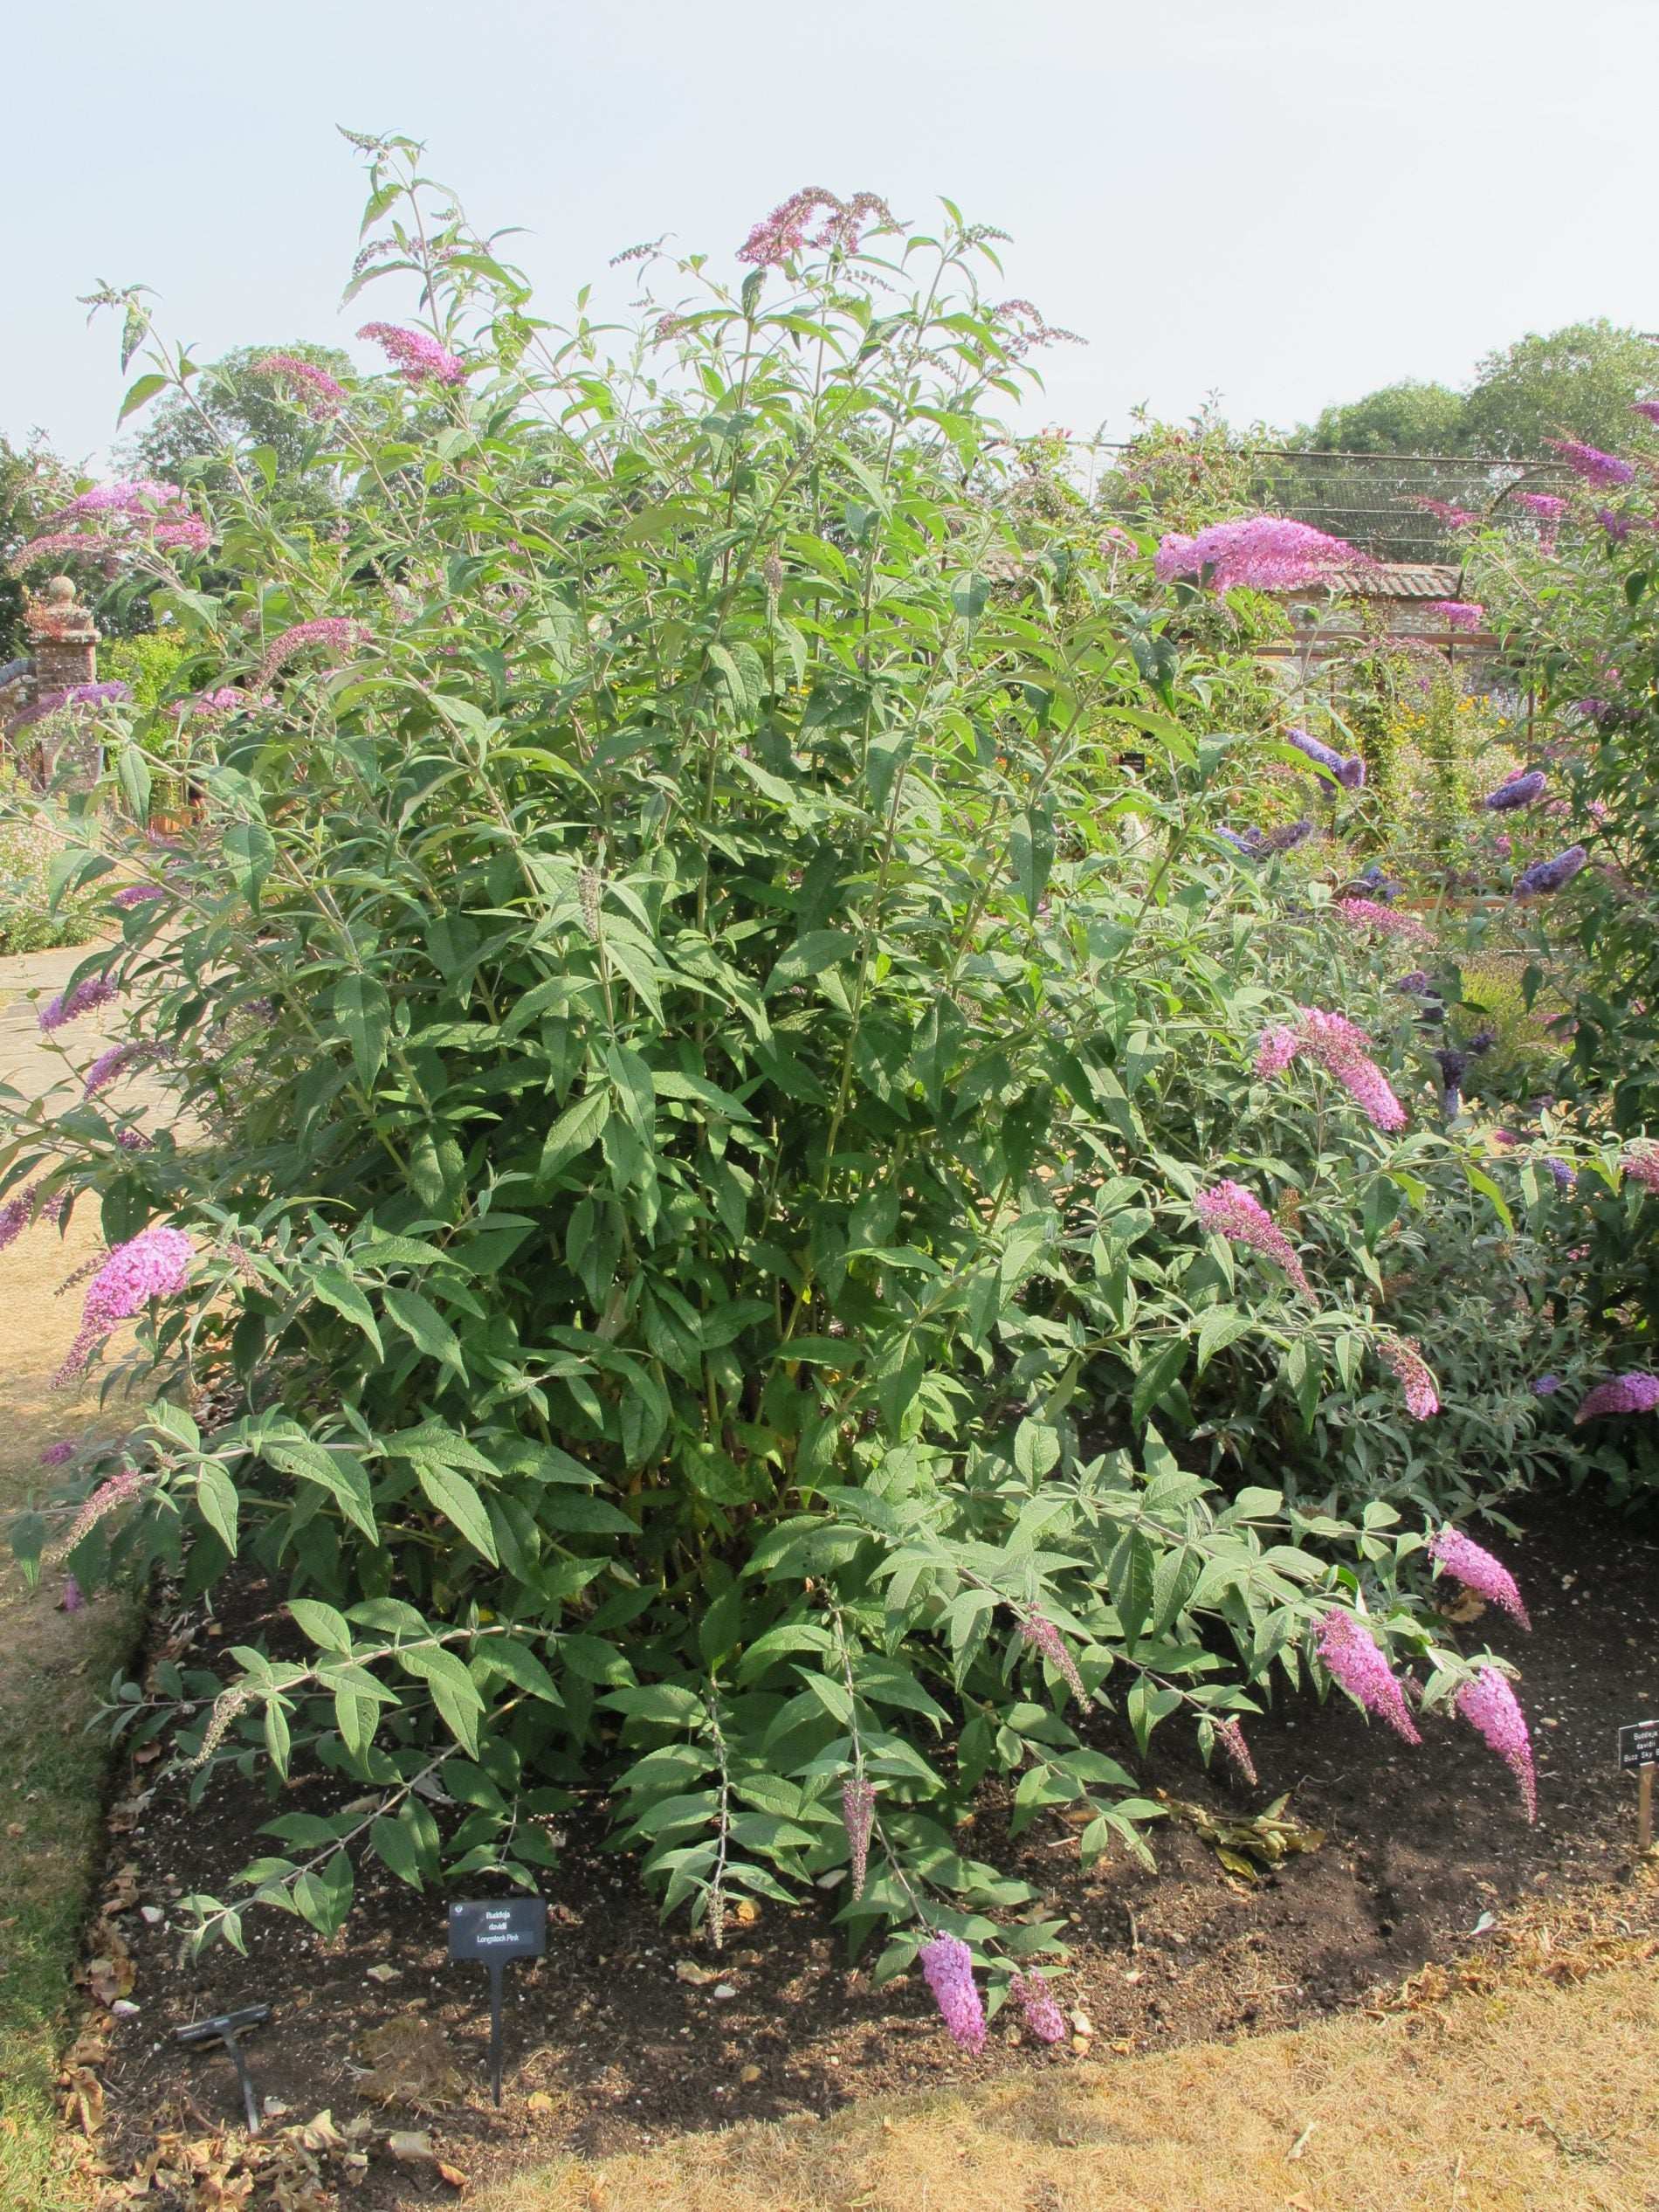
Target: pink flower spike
[[1351, 1657], [417, 356], [154, 1264], [1640, 1163], [1040, 1632], [1228, 1209], [338, 632], [1470, 1564], [1399, 1353], [91, 993], [1459, 613], [1490, 1707], [1370, 913], [325, 397], [1230, 1737], [948, 1964], [1261, 553], [72, 1601], [1043, 2016], [56, 1454], [1277, 1047]]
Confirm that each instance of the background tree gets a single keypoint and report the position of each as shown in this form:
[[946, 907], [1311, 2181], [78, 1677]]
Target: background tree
[[33, 481], [1407, 418], [231, 406], [1578, 381]]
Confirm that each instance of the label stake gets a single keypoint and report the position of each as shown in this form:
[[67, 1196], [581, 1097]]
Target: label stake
[[1639, 1751], [492, 1934]]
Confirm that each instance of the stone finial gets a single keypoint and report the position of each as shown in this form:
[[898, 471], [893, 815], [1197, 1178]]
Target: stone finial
[[58, 616]]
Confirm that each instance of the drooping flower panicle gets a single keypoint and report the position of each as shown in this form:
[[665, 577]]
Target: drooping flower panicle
[[948, 1964], [1604, 471], [154, 1264], [1490, 1707], [416, 355], [1459, 613], [1369, 913], [1230, 1736], [1351, 1657], [1641, 1162], [1348, 769], [338, 632], [1043, 2016], [91, 993], [1473, 1566], [1342, 1050], [782, 235], [1550, 875], [1228, 1209], [1520, 790], [858, 1812], [1635, 1392], [1405, 1359], [1042, 1636], [324, 396], [1260, 553]]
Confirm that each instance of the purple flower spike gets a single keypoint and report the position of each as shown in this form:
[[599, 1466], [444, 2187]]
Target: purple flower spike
[[1547, 1386], [1470, 1564], [1260, 553], [56, 1454], [1490, 1707], [948, 1964], [91, 993], [72, 1601], [1520, 790], [1459, 613], [1230, 1737], [1634, 1393], [1603, 470], [1550, 875]]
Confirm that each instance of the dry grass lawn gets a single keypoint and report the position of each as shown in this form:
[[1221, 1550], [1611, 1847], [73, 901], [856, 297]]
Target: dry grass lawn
[[57, 1666], [1539, 2096]]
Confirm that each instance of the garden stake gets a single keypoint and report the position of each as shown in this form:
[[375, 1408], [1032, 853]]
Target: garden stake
[[223, 2027], [492, 1934]]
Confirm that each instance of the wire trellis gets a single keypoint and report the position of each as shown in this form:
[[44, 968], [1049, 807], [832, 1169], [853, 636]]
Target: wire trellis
[[1379, 502]]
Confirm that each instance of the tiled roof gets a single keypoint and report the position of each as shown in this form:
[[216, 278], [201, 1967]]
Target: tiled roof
[[1389, 580]]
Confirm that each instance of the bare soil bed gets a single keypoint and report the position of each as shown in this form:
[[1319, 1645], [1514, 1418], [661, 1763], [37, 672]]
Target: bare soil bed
[[629, 2031]]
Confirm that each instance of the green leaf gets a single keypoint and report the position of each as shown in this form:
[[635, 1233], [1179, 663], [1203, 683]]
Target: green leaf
[[340, 1472], [139, 393], [321, 1623], [1156, 1380], [579, 1126], [337, 1289], [364, 1012], [419, 1319], [218, 1503], [250, 853], [393, 1844], [457, 1499]]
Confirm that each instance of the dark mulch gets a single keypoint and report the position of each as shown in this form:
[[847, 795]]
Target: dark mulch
[[607, 2047]]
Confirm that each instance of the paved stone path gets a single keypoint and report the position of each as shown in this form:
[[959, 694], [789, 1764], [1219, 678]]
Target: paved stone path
[[33, 1064]]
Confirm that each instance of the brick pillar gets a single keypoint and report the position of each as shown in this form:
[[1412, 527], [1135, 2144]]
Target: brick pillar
[[64, 641], [64, 637]]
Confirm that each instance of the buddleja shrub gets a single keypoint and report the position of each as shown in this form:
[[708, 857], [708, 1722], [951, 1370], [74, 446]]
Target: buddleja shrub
[[669, 999]]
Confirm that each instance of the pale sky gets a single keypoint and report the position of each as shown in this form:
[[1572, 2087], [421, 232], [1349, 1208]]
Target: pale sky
[[1288, 201]]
